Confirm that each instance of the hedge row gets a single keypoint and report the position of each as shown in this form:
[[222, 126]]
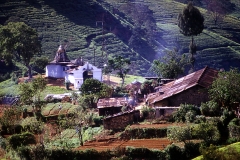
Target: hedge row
[[172, 152], [144, 133]]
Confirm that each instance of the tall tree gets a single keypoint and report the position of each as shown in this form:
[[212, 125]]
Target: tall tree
[[121, 66], [30, 92], [169, 66], [190, 23], [225, 89], [19, 41]]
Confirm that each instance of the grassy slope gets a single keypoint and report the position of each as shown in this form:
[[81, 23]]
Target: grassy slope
[[217, 47], [75, 20], [223, 149]]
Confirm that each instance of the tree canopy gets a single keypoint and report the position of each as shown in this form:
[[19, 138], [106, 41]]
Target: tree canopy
[[30, 92], [225, 89], [19, 42], [169, 66], [120, 65], [190, 21]]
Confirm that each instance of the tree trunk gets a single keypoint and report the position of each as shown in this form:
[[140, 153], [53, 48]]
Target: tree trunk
[[29, 71], [122, 82]]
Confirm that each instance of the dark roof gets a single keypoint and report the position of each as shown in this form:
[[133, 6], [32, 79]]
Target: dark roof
[[203, 77]]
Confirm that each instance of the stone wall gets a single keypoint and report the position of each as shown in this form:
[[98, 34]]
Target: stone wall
[[121, 120]]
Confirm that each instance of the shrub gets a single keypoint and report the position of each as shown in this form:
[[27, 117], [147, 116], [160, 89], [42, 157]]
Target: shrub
[[144, 153], [200, 119], [210, 108], [25, 138], [190, 116], [141, 133], [191, 150], [174, 152], [147, 112], [31, 124], [234, 129], [180, 134], [207, 132], [180, 114]]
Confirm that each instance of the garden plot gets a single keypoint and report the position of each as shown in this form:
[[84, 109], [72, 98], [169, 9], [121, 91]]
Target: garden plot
[[114, 144]]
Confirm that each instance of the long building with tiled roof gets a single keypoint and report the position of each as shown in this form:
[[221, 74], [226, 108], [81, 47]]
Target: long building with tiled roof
[[190, 89]]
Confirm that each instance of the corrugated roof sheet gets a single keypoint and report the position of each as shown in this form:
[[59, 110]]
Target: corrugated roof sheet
[[111, 102], [203, 77]]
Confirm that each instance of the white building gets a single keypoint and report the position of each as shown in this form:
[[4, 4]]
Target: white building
[[74, 71]]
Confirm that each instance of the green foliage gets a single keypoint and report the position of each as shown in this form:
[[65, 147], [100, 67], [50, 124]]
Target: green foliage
[[144, 153], [214, 153], [9, 119], [3, 144], [234, 129], [31, 124], [174, 152], [143, 133], [181, 114], [200, 119], [208, 132], [225, 88], [93, 86], [191, 150], [9, 87], [180, 134], [31, 92], [19, 42], [190, 21], [170, 66], [147, 112], [18, 140], [121, 66], [39, 64], [210, 108]]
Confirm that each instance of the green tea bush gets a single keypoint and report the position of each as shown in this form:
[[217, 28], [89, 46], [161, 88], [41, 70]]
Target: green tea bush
[[234, 129]]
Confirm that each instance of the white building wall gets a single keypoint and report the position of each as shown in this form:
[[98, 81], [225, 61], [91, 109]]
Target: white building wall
[[55, 71], [97, 74]]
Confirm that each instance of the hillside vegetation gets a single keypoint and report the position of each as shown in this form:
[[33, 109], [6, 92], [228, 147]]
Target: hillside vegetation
[[139, 29]]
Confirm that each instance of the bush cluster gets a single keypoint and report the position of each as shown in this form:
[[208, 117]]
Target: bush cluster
[[171, 152]]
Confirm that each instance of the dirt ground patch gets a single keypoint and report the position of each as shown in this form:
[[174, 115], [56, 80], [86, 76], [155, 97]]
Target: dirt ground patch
[[114, 144]]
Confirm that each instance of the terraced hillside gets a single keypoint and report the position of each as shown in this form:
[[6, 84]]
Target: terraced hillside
[[104, 28]]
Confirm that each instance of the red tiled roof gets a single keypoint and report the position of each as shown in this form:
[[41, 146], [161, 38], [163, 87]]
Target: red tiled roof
[[203, 77]]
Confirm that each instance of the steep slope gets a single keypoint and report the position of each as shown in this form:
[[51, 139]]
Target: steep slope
[[104, 28], [218, 46]]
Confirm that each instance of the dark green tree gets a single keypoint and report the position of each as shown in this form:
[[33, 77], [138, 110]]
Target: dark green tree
[[19, 42], [191, 23], [169, 66], [92, 90], [39, 64], [121, 66], [225, 88]]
